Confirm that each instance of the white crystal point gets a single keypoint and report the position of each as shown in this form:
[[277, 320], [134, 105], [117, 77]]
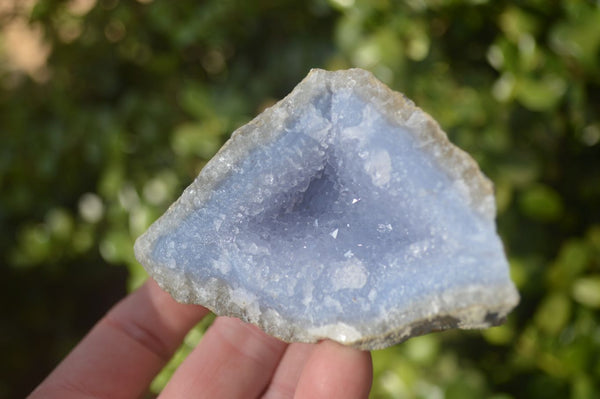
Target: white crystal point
[[342, 212]]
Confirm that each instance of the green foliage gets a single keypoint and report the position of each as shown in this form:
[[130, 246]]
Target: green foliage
[[133, 98]]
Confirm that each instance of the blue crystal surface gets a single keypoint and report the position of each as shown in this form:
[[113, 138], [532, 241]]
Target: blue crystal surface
[[339, 217]]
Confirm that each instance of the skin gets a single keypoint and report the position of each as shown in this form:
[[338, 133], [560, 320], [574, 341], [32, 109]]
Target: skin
[[121, 355]]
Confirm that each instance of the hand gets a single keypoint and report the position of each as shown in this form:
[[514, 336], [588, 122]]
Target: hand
[[121, 355]]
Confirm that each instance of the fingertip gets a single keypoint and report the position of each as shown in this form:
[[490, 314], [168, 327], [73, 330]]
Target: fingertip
[[336, 371], [233, 360]]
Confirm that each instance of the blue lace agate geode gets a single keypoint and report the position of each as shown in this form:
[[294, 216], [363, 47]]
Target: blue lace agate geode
[[342, 212]]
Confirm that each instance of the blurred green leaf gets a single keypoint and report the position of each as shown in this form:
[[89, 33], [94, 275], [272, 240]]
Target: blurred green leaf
[[553, 313], [586, 290], [422, 350], [541, 203], [579, 36], [501, 335], [541, 94], [517, 22], [572, 260], [200, 140]]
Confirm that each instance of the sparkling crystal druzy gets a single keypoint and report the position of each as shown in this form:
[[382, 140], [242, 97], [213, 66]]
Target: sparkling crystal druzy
[[342, 212]]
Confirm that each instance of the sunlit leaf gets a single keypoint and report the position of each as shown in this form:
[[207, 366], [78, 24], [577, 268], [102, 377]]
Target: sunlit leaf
[[542, 203]]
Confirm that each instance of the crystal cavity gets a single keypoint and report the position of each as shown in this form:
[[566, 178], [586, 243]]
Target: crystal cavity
[[342, 212]]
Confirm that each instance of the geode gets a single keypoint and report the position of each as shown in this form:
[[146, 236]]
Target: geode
[[343, 212]]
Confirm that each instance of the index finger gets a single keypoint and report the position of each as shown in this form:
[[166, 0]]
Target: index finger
[[121, 355]]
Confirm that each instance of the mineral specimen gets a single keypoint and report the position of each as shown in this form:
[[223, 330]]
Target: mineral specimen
[[341, 212]]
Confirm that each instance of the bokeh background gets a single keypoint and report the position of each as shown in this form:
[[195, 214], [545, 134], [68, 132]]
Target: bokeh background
[[109, 108]]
